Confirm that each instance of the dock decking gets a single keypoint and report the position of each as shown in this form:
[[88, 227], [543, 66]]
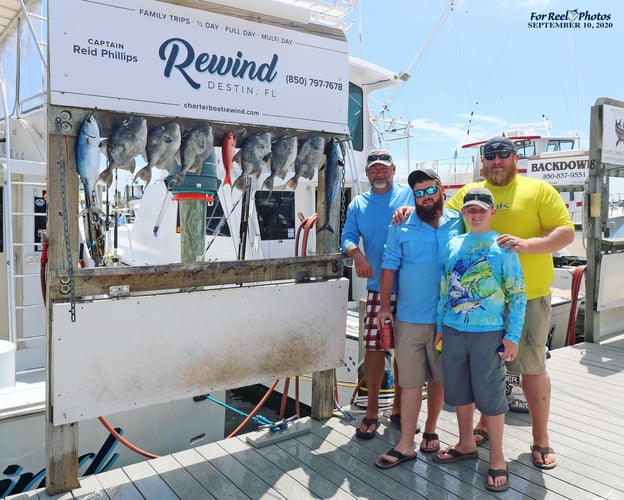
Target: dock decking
[[587, 418]]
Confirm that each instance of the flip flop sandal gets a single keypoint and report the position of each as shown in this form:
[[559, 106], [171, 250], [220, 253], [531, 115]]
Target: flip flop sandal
[[382, 463], [543, 451], [483, 434], [494, 473], [455, 456], [427, 438], [367, 434]]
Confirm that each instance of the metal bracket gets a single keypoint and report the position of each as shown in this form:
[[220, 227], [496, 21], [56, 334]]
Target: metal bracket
[[119, 290]]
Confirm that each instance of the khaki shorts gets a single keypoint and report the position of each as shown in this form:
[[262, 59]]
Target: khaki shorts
[[415, 354], [531, 358]]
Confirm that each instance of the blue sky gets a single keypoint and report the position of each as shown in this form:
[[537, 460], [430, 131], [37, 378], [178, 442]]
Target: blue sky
[[486, 71]]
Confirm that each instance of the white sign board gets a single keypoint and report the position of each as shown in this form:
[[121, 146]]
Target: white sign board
[[132, 352], [155, 58], [612, 135], [560, 170]]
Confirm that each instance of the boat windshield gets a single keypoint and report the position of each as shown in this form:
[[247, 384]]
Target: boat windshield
[[560, 145]]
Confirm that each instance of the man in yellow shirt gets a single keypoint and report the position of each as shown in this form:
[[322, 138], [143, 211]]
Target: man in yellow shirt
[[532, 220]]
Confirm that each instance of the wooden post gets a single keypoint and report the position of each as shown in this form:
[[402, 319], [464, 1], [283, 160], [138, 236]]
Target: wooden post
[[326, 242], [594, 229], [192, 229], [61, 440]]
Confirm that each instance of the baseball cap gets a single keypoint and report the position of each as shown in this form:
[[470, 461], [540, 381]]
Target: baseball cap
[[425, 174], [499, 143], [480, 196], [382, 156]]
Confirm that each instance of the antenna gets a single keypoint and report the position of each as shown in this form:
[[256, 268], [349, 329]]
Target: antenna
[[546, 121]]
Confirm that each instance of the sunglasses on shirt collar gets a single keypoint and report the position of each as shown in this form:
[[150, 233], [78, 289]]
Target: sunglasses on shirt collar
[[431, 190]]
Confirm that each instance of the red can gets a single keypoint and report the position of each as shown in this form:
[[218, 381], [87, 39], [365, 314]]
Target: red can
[[386, 340]]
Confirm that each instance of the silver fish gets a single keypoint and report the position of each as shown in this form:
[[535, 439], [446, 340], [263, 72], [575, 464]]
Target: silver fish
[[283, 154], [163, 143], [88, 155], [310, 157], [333, 178], [252, 157], [127, 142], [197, 144]]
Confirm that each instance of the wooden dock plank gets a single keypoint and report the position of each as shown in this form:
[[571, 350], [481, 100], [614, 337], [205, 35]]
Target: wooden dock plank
[[250, 483], [324, 467], [115, 483], [308, 478], [183, 484], [284, 484], [208, 475], [148, 482]]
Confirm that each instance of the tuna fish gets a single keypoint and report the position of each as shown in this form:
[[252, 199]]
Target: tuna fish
[[197, 144], [310, 157], [333, 178], [163, 143], [283, 154], [252, 157], [88, 155], [127, 142], [228, 145]]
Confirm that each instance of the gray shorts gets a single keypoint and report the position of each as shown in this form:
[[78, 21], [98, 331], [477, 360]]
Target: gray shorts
[[473, 370], [531, 358], [415, 354]]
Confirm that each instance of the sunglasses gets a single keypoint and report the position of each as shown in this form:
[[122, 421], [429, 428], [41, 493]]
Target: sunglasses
[[502, 154], [487, 199], [419, 193], [382, 157]]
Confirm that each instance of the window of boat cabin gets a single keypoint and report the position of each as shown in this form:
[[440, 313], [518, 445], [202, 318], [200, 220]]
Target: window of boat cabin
[[356, 116], [276, 214], [560, 145], [525, 148]]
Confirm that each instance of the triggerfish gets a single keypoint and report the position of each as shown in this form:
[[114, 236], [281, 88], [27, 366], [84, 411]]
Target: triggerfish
[[163, 142], [310, 156], [252, 157], [126, 143], [197, 144], [283, 154]]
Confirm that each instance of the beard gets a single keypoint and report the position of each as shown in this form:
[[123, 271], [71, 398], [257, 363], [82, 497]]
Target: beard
[[499, 178], [430, 214]]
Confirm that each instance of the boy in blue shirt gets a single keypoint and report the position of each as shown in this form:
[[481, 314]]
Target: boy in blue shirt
[[480, 317]]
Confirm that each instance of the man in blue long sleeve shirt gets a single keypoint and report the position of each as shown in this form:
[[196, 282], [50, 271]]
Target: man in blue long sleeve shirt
[[413, 248], [368, 217]]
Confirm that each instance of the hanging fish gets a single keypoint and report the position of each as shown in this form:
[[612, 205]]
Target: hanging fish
[[126, 143], [197, 144], [228, 145], [310, 157], [283, 154], [333, 178], [252, 157], [88, 155], [163, 142]]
